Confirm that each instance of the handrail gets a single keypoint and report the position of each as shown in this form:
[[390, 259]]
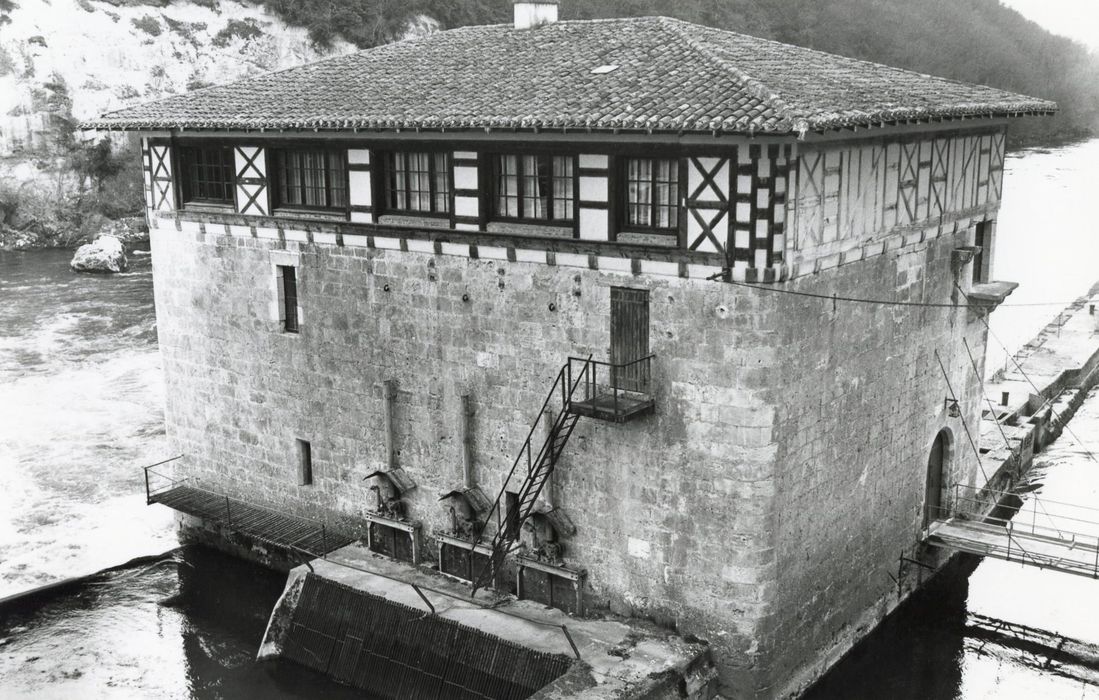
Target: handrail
[[637, 383], [619, 365], [149, 491], [1023, 496]]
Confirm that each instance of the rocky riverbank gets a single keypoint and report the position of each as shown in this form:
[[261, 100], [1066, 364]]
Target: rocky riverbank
[[130, 231]]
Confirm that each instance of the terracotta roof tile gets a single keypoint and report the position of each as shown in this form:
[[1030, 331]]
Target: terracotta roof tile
[[671, 76]]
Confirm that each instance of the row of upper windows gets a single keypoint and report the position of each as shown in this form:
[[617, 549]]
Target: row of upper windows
[[530, 188]]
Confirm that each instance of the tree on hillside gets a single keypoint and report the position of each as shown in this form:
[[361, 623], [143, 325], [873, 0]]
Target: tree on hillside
[[6, 6]]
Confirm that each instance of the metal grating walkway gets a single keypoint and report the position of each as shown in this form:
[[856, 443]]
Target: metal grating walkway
[[270, 526], [398, 652], [1021, 528]]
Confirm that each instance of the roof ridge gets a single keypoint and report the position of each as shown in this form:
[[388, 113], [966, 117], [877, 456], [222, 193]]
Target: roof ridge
[[755, 87]]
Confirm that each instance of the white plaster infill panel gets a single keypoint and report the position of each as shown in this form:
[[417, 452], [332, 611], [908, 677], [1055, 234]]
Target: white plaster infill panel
[[590, 161], [594, 224], [360, 183], [160, 164], [465, 177], [251, 173], [593, 188]]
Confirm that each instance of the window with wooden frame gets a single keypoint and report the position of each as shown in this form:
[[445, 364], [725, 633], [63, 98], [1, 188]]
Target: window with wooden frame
[[310, 178], [417, 183], [651, 194], [208, 174], [534, 187], [288, 298]]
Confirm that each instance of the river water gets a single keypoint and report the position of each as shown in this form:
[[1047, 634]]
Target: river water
[[80, 410]]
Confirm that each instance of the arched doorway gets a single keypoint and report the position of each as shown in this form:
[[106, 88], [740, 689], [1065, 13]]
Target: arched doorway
[[936, 468]]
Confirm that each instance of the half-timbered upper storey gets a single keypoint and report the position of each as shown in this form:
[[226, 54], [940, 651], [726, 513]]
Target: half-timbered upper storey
[[647, 138]]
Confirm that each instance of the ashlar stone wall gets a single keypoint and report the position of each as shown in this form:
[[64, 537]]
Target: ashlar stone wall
[[673, 512], [865, 399]]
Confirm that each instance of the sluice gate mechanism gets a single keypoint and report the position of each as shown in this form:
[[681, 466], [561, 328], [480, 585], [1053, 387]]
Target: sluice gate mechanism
[[1020, 528]]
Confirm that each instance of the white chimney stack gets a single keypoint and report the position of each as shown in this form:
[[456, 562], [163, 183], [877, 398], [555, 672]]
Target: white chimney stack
[[534, 13]]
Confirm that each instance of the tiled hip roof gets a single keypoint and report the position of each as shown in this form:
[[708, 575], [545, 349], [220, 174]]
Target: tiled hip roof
[[645, 74]]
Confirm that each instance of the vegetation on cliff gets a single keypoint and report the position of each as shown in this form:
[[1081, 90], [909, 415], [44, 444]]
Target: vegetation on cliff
[[73, 188]]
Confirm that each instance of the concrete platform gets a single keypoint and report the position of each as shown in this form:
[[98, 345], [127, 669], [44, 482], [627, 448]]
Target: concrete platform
[[618, 658], [1060, 357]]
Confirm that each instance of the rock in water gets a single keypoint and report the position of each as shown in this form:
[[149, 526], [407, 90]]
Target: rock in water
[[104, 255]]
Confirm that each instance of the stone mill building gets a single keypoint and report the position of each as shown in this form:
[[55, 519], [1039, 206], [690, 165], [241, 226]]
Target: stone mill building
[[579, 292]]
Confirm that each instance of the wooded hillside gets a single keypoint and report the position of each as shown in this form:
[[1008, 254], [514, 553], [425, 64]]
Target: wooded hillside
[[971, 40]]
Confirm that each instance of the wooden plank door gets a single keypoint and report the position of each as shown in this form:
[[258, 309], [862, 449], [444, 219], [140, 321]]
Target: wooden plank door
[[629, 337]]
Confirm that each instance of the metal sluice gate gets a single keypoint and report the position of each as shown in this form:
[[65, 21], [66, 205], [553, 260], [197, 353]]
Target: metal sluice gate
[[396, 651]]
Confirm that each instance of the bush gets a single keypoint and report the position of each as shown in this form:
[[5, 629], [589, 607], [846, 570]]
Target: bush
[[244, 28], [148, 24]]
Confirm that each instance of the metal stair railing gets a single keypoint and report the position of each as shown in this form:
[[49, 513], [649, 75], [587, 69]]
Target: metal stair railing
[[539, 467]]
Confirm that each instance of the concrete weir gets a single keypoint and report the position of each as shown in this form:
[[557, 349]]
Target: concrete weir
[[375, 624]]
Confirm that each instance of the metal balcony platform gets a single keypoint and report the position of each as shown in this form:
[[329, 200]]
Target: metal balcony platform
[[620, 409]]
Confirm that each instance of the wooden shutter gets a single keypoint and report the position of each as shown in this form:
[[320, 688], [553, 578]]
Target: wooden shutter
[[629, 337]]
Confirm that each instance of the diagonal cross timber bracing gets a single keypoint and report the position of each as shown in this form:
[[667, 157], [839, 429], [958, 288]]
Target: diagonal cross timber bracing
[[1020, 528]]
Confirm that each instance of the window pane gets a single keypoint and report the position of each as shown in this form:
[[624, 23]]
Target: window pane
[[337, 181], [294, 179], [398, 182], [639, 192], [652, 192], [442, 183], [562, 188], [507, 186], [208, 173], [532, 199], [310, 178]]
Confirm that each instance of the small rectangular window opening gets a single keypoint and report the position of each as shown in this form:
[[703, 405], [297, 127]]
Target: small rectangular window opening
[[511, 515], [981, 240], [288, 288], [305, 463]]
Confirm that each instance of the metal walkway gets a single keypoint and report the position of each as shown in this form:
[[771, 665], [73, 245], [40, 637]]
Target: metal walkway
[[1022, 528], [308, 537]]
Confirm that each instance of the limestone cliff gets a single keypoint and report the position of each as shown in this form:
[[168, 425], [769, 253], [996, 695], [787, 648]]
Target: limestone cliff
[[108, 55]]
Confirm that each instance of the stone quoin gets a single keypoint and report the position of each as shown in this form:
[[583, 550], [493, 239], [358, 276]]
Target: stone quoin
[[370, 270]]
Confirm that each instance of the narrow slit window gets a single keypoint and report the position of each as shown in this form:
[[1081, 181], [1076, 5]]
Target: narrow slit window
[[982, 239], [511, 515], [288, 276], [305, 463]]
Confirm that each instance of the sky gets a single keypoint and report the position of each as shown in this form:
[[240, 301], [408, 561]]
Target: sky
[[1077, 19]]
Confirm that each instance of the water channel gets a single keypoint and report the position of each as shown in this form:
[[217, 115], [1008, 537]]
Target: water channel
[[80, 410]]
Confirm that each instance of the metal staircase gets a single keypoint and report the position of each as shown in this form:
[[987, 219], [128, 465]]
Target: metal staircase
[[539, 466]]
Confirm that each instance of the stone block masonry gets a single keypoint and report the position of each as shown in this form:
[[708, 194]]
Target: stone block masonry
[[759, 509]]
